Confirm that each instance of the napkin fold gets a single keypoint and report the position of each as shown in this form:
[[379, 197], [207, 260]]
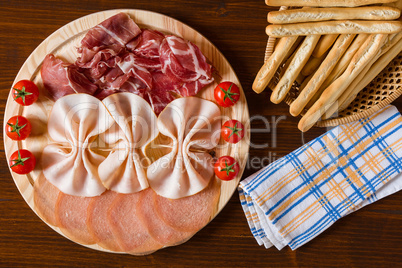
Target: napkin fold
[[297, 197]]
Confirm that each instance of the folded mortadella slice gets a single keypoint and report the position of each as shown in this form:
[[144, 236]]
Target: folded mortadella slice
[[189, 214], [158, 229], [131, 233], [124, 169], [192, 123], [68, 161], [97, 223], [45, 197], [71, 216]]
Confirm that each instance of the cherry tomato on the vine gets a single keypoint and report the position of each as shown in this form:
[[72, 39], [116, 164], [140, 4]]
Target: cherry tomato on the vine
[[226, 168], [22, 161], [25, 92], [232, 131], [18, 128], [227, 94]]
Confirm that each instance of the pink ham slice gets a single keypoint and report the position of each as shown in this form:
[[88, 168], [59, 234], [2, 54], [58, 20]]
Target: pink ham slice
[[97, 223], [60, 78], [131, 233], [45, 197], [158, 229], [71, 215], [189, 214]]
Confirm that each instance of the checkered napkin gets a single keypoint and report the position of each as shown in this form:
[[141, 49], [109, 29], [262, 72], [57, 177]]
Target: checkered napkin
[[297, 197]]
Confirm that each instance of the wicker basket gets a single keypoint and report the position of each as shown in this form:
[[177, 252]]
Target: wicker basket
[[383, 90]]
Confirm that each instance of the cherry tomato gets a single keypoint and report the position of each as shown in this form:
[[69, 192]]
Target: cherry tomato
[[226, 168], [227, 94], [18, 128], [25, 92], [22, 161], [232, 131]]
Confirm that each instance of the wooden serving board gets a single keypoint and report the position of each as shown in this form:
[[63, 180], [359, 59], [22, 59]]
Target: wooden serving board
[[63, 44]]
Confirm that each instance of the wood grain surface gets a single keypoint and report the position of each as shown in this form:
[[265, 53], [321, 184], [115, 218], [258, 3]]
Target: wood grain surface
[[370, 237]]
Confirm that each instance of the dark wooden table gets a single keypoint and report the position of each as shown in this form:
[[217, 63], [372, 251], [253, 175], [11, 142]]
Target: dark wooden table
[[370, 237]]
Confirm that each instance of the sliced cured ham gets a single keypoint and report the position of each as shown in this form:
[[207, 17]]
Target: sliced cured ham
[[123, 170], [131, 233], [45, 197], [115, 32], [117, 56], [71, 215], [97, 223], [158, 229], [60, 78], [159, 97], [130, 66], [190, 123], [189, 214], [184, 60], [68, 161], [147, 44]]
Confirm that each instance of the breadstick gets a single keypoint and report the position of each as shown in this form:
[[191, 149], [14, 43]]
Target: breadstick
[[326, 67], [333, 92], [286, 66], [287, 60], [364, 79], [375, 69], [313, 64], [323, 14], [343, 63], [366, 76], [299, 60], [269, 68], [293, 48], [324, 44], [325, 3], [334, 27]]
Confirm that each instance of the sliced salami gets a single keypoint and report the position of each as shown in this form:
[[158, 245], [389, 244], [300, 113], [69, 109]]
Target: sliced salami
[[157, 228], [45, 197], [71, 215], [189, 214], [130, 232], [97, 223]]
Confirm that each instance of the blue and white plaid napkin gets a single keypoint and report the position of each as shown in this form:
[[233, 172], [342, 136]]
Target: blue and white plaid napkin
[[297, 197]]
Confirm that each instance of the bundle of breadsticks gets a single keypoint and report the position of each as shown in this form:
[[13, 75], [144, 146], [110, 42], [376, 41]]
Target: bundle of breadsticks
[[331, 48]]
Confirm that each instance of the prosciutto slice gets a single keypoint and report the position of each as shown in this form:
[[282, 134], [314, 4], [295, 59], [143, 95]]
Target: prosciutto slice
[[123, 170], [191, 123], [68, 162], [183, 59], [147, 44], [60, 78], [115, 32]]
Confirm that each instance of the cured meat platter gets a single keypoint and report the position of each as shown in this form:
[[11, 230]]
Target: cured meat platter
[[63, 44]]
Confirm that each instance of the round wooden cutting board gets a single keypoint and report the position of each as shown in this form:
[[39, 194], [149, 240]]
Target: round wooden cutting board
[[63, 44]]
